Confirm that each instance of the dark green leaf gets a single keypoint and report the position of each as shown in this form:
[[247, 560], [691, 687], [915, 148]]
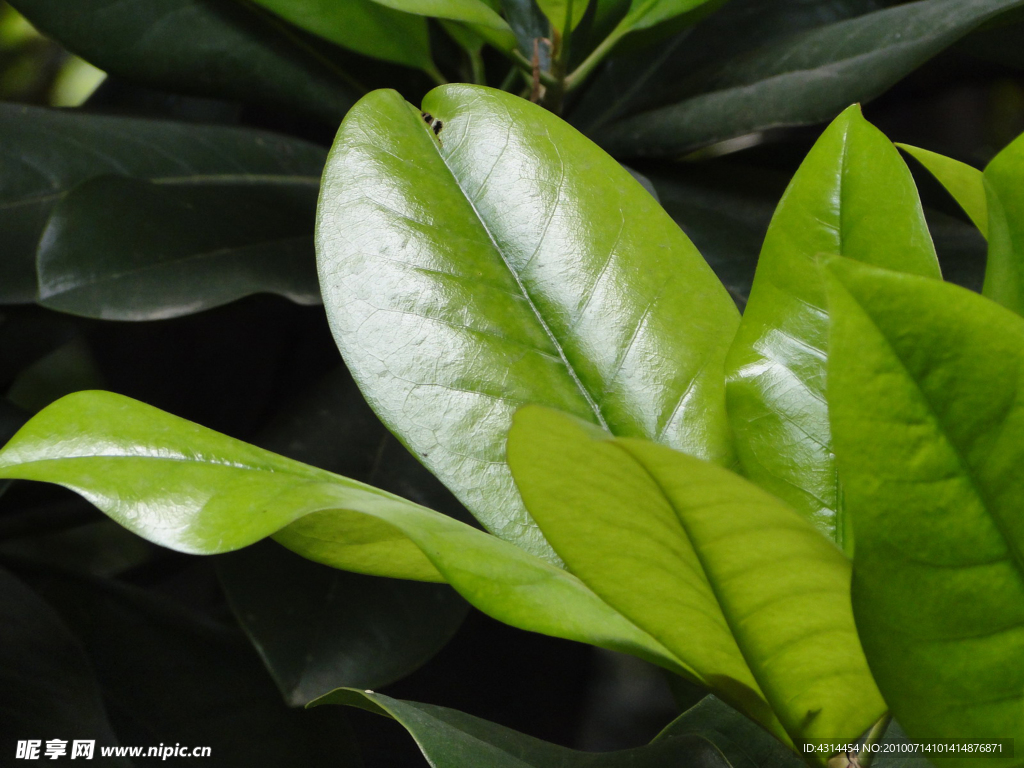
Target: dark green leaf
[[170, 677], [509, 261], [318, 628], [192, 489], [677, 68], [742, 589], [775, 371], [925, 390], [804, 78], [456, 740], [529, 24], [48, 152], [47, 687], [125, 249], [743, 742], [221, 48], [363, 26]]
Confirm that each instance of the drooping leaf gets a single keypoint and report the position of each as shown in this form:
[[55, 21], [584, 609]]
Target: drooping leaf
[[804, 78], [505, 261], [118, 248], [775, 371], [168, 675], [557, 12], [737, 585], [477, 13], [925, 386], [220, 48], [47, 686], [965, 183], [48, 152], [1004, 275], [364, 26], [319, 628], [454, 739], [188, 488]]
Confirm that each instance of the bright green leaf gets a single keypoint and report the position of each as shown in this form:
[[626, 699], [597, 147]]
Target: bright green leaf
[[776, 366], [363, 26], [736, 584], [557, 12], [219, 48], [510, 261], [126, 249], [48, 152], [1004, 183], [646, 13], [965, 183], [478, 14], [454, 739], [803, 78], [189, 488], [925, 387]]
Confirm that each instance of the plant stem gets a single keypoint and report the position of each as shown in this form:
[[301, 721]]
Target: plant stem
[[560, 50], [435, 74], [476, 65], [596, 57], [510, 79], [526, 66]]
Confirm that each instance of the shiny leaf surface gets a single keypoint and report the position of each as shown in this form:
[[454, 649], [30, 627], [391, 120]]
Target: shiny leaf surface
[[49, 152], [219, 48], [925, 388], [188, 488], [509, 261], [736, 584], [776, 366], [456, 740], [478, 14], [965, 183], [804, 78], [363, 26], [126, 249]]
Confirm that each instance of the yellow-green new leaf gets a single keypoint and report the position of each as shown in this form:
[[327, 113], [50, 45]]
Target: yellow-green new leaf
[[736, 584], [1004, 185], [965, 183], [776, 366], [557, 12], [926, 385], [189, 488]]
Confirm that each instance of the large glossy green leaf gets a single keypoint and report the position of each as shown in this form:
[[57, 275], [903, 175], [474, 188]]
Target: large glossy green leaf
[[476, 13], [363, 26], [46, 683], [964, 182], [510, 261], [127, 249], [736, 584], [1004, 275], [456, 740], [48, 152], [925, 389], [189, 488], [221, 48], [776, 366], [804, 78]]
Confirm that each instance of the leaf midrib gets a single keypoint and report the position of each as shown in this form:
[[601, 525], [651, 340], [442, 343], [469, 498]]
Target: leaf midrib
[[591, 402]]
